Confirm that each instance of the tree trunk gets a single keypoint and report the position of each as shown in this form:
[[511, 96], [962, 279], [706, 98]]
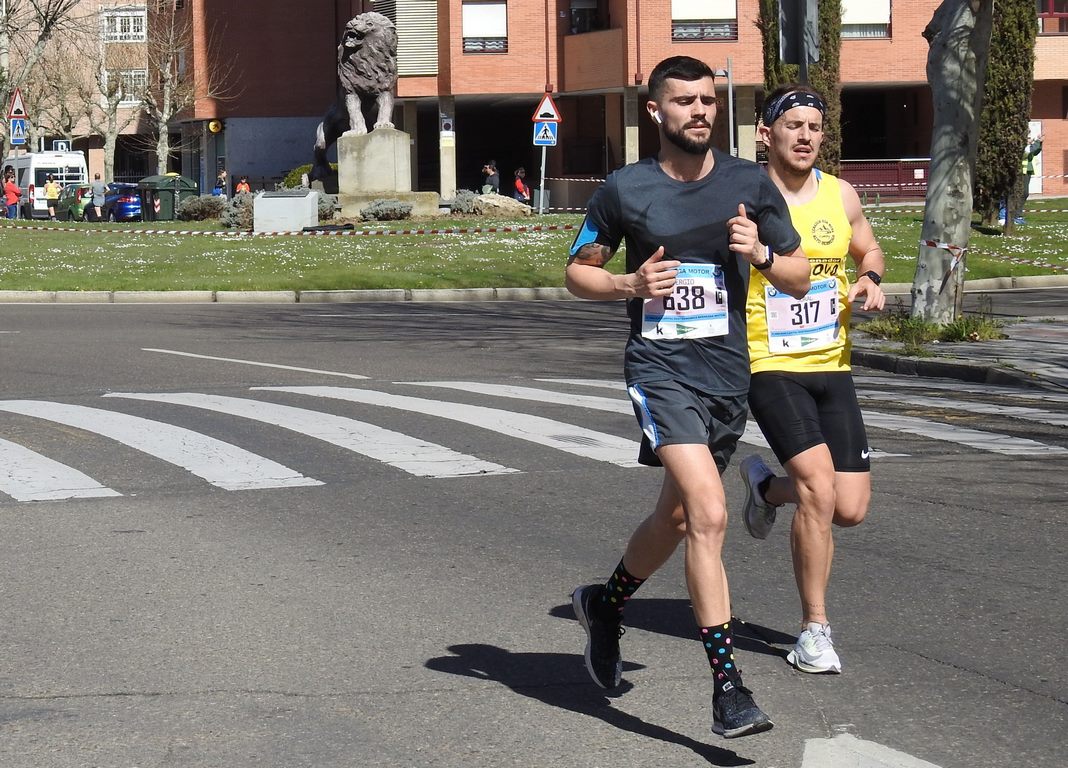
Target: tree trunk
[[959, 38]]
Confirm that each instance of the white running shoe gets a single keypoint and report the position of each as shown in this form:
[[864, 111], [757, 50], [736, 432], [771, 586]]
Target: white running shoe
[[814, 651], [757, 514]]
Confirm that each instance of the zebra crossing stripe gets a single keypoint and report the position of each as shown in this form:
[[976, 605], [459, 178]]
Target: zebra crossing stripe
[[569, 438], [221, 464], [410, 454], [613, 405], [973, 438], [1014, 411], [26, 475]]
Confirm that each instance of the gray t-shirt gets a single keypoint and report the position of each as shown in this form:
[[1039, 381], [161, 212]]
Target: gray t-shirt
[[99, 190], [642, 205]]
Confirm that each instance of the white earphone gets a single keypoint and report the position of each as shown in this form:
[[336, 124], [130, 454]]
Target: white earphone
[[657, 118]]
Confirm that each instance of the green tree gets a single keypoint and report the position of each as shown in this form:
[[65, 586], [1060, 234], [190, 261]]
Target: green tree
[[823, 75], [1006, 106]]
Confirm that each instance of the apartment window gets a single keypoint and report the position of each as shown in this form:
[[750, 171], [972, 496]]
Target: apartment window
[[588, 16], [485, 27], [134, 84], [124, 25], [1052, 16], [865, 19], [710, 20]]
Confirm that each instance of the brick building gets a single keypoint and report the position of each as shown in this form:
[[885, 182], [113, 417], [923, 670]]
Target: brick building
[[483, 65]]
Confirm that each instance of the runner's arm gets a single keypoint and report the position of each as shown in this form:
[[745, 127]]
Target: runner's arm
[[587, 278], [865, 250], [789, 272]]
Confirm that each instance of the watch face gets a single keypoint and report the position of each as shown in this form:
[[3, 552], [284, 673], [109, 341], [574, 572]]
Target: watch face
[[874, 277]]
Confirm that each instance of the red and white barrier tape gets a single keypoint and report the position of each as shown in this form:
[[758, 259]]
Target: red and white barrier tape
[[298, 233]]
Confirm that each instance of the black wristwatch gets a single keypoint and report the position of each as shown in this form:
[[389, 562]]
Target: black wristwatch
[[766, 264], [874, 276]]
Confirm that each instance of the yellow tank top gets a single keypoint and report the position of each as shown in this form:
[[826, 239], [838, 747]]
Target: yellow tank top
[[786, 334]]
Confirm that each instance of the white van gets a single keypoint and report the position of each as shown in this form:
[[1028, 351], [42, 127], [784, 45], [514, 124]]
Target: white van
[[31, 173]]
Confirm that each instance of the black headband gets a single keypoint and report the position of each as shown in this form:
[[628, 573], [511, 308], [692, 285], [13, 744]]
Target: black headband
[[774, 110]]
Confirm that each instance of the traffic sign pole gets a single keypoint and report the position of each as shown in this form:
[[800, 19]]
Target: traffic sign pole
[[541, 195], [546, 120]]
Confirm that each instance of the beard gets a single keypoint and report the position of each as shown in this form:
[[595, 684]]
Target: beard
[[686, 144]]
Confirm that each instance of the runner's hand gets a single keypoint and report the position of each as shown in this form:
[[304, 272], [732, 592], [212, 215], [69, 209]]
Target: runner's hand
[[874, 298], [656, 277], [744, 238]]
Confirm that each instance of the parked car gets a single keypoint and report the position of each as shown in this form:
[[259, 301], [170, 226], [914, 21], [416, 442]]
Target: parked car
[[73, 199], [122, 203]]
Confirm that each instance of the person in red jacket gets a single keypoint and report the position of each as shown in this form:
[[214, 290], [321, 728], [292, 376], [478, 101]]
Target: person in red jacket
[[12, 195], [522, 189]]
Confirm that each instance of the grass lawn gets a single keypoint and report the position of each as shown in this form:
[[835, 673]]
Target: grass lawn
[[38, 256]]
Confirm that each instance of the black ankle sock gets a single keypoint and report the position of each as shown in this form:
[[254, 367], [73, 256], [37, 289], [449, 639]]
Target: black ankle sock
[[621, 585], [762, 487], [718, 642]]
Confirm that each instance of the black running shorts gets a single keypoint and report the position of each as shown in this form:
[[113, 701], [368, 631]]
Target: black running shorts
[[672, 413], [797, 411]]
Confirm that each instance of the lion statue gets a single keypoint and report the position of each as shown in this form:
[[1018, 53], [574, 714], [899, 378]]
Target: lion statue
[[366, 69]]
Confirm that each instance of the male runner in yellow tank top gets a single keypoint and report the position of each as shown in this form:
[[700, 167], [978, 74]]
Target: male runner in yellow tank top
[[801, 391]]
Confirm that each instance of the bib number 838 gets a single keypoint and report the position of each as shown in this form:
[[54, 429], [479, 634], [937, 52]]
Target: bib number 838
[[687, 297]]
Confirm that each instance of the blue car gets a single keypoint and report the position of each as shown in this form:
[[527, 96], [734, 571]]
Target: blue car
[[122, 203]]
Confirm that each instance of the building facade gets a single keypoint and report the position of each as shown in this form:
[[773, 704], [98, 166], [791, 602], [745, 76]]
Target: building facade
[[480, 67]]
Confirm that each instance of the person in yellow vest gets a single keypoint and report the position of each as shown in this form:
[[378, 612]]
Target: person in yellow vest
[[801, 392], [51, 196]]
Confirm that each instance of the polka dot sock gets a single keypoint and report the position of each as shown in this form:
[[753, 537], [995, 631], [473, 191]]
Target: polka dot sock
[[618, 590], [719, 646]]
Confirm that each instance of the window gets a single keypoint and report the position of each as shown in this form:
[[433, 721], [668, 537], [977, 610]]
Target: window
[[696, 20], [134, 84], [865, 19], [485, 27], [1052, 16], [588, 16], [123, 25]]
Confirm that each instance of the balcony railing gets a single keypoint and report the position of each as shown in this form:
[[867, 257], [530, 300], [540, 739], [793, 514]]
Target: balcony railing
[[707, 30], [485, 45]]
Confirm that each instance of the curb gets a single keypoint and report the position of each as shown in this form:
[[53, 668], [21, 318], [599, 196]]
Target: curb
[[286, 297], [934, 367]]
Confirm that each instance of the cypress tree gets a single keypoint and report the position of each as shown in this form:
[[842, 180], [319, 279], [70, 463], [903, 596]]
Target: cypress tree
[[823, 75], [1006, 106]]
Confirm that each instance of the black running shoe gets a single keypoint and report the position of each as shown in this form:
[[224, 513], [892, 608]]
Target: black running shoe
[[734, 713], [603, 661]]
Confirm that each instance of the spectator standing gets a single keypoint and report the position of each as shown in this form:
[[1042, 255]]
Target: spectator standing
[[12, 194], [492, 182], [243, 187], [100, 191], [522, 189]]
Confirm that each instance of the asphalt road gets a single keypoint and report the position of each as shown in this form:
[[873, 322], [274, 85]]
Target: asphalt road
[[389, 618]]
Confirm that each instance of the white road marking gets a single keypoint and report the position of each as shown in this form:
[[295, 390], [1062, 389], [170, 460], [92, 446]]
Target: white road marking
[[26, 475], [847, 751], [255, 362], [974, 438], [564, 437], [221, 464], [953, 404], [417, 457], [751, 436], [613, 405]]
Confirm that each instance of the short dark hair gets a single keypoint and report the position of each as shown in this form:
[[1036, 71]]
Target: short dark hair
[[677, 68]]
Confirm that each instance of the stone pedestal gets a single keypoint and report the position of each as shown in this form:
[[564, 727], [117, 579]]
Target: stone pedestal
[[376, 166]]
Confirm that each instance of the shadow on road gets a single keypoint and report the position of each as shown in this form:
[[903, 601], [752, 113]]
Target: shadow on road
[[550, 678]]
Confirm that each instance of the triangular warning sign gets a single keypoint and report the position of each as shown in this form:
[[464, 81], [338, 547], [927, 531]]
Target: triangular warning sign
[[18, 107], [546, 111], [546, 133]]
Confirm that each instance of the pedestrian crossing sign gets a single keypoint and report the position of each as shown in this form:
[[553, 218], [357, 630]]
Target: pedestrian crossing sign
[[18, 130], [545, 134]]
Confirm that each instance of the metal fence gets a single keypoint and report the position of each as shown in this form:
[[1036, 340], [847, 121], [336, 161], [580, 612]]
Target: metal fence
[[898, 179]]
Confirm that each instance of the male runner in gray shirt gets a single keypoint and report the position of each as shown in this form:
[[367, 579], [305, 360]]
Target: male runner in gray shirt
[[694, 220]]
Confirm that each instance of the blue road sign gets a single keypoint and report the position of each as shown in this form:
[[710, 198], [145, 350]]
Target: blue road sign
[[545, 134], [17, 127]]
